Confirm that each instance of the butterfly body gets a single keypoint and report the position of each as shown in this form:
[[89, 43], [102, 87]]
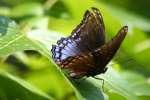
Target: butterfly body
[[85, 52]]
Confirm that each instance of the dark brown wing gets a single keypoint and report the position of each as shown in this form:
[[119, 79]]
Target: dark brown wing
[[87, 36], [80, 65], [90, 33], [106, 52], [85, 53], [93, 63]]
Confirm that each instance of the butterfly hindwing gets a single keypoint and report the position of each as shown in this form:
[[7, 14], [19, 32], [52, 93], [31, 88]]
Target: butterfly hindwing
[[80, 65]]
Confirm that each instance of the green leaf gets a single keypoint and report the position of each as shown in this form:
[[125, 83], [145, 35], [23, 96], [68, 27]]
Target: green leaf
[[4, 11], [138, 82], [13, 40], [13, 88], [115, 96], [117, 84], [2, 95], [27, 9], [89, 88]]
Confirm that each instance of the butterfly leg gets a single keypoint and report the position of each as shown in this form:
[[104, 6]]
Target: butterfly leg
[[102, 81]]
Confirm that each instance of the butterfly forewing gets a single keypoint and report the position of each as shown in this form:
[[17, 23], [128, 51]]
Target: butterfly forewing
[[87, 36]]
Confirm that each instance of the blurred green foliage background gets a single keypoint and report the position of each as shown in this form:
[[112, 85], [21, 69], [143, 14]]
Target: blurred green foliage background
[[27, 71]]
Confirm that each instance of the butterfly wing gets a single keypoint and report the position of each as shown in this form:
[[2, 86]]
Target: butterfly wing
[[85, 52], [106, 52], [65, 48], [79, 66], [93, 63], [87, 36], [90, 33]]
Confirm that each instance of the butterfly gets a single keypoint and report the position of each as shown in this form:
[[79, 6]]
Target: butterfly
[[85, 52]]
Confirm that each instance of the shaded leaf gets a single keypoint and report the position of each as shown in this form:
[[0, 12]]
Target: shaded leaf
[[88, 88], [23, 10], [117, 84], [14, 88], [139, 84]]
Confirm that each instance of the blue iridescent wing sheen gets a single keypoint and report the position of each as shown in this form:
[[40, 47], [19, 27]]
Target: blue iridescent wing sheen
[[65, 48], [94, 63], [87, 36]]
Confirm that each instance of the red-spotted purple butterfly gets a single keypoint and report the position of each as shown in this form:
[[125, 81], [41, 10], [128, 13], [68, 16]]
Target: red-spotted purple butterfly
[[85, 52]]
